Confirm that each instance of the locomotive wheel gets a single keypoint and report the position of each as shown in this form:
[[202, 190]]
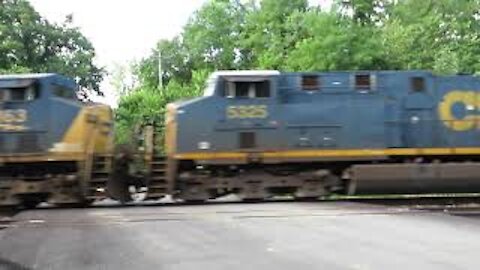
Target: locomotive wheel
[[253, 191], [195, 194], [321, 185], [310, 190]]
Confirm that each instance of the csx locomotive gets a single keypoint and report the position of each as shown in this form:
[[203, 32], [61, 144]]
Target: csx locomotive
[[262, 133], [52, 147], [256, 134]]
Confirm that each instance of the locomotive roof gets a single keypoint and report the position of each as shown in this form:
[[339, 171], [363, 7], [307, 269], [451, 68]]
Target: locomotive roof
[[266, 73], [246, 72], [277, 72], [27, 76], [342, 72], [24, 80]]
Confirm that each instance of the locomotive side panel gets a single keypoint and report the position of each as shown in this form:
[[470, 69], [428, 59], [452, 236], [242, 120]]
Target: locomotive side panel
[[332, 115]]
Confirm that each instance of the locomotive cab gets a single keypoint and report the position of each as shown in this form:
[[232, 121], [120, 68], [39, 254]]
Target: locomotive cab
[[249, 100], [234, 113], [22, 115], [35, 109], [259, 134]]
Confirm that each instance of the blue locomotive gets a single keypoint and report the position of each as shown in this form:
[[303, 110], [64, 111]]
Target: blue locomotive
[[262, 133], [52, 146]]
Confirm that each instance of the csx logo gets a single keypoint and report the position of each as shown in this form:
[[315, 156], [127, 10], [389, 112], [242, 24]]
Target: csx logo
[[466, 117], [248, 111]]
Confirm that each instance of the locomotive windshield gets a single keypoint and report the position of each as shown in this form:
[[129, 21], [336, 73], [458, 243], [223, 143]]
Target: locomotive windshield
[[63, 92], [241, 83], [248, 89]]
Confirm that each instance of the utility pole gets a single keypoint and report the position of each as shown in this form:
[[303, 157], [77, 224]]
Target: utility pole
[[160, 76]]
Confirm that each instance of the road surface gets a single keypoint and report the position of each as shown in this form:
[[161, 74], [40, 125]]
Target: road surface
[[317, 235]]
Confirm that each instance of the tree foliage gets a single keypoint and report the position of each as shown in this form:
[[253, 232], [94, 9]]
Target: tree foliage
[[30, 43], [442, 36], [438, 35], [146, 105], [271, 32], [335, 43]]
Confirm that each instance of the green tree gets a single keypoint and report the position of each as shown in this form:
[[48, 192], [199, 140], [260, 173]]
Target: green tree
[[268, 33], [334, 43], [213, 33], [365, 11], [145, 106], [30, 43], [441, 35], [176, 64]]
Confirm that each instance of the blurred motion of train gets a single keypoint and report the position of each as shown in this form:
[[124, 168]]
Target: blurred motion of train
[[256, 134]]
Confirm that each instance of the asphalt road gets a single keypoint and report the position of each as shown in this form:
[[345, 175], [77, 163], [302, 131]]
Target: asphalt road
[[318, 235]]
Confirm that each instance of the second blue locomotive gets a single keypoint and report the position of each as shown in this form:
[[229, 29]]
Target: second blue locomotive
[[260, 133]]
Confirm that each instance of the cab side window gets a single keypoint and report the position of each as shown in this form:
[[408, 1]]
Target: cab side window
[[240, 89], [262, 89], [63, 92]]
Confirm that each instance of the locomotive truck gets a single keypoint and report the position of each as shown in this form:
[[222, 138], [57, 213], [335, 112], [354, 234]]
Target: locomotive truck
[[257, 134]]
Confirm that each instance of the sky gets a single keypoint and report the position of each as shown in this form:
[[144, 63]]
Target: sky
[[122, 31]]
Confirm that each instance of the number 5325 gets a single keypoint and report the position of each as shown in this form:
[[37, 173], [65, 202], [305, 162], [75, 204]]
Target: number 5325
[[247, 111]]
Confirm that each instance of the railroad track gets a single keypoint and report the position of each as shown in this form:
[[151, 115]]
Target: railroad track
[[452, 204], [420, 201]]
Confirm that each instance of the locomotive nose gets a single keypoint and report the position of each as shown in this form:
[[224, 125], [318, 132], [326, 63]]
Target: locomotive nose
[[171, 129]]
